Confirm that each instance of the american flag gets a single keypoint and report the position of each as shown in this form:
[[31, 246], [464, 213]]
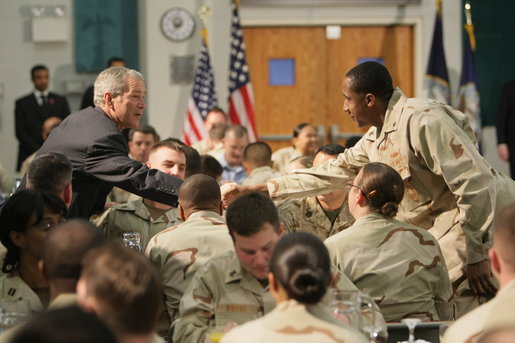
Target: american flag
[[202, 98], [241, 97]]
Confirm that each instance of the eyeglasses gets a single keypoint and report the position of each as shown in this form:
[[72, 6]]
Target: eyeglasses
[[48, 226], [350, 185]]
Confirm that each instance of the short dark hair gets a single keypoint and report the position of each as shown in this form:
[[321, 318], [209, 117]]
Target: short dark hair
[[383, 188], [64, 325], [258, 153], [126, 286], [210, 166], [66, 246], [50, 172], [192, 157], [248, 213], [36, 68], [144, 129], [301, 264], [170, 144], [114, 59], [351, 141], [371, 77], [17, 214], [201, 192], [331, 149]]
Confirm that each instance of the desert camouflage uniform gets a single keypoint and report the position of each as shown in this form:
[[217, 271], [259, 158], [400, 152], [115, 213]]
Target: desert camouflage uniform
[[308, 216], [468, 327], [201, 146], [260, 175], [180, 250], [292, 322], [450, 189], [283, 156], [135, 217], [399, 265], [13, 287], [221, 290]]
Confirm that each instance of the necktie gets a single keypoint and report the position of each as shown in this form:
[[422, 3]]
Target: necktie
[[44, 100]]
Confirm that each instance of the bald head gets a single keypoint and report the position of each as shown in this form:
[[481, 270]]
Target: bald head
[[200, 192], [65, 247], [504, 235]]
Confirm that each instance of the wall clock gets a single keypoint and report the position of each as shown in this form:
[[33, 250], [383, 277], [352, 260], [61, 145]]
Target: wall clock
[[177, 24]]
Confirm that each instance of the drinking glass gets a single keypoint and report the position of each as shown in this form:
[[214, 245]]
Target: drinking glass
[[215, 332], [132, 240], [13, 312], [345, 306], [412, 323]]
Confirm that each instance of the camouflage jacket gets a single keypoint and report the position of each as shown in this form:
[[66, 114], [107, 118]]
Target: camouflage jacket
[[399, 265]]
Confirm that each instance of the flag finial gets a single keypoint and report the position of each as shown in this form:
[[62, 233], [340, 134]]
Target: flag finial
[[469, 27]]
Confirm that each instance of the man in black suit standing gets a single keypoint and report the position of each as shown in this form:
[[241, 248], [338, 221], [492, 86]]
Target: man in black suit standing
[[506, 126], [92, 140], [33, 109]]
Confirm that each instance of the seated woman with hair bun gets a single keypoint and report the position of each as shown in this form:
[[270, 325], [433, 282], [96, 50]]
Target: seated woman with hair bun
[[299, 276], [399, 265]]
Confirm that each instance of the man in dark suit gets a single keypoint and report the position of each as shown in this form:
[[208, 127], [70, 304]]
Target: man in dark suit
[[506, 126], [33, 109], [93, 142]]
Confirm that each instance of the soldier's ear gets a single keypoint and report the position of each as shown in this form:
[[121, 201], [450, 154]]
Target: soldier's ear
[[370, 99], [494, 262], [182, 215]]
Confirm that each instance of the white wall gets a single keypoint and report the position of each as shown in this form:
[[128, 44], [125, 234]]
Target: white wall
[[166, 101]]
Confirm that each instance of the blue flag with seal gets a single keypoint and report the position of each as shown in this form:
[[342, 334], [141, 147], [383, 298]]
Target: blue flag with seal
[[436, 80]]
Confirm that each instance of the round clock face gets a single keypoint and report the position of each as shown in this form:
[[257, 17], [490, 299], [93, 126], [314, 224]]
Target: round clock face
[[177, 24]]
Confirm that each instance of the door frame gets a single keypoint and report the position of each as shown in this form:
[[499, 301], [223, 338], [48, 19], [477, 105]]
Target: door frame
[[416, 22]]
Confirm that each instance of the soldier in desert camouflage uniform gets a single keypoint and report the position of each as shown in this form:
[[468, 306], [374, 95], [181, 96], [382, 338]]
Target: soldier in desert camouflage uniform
[[322, 215], [182, 249], [257, 163], [399, 265], [300, 273], [502, 259], [450, 189], [233, 287]]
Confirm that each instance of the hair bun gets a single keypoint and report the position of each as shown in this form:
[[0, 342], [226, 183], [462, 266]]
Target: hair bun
[[390, 209], [307, 285]]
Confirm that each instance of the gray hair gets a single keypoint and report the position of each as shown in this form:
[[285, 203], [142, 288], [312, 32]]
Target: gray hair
[[114, 81]]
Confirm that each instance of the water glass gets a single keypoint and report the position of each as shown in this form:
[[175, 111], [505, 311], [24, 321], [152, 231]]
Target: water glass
[[132, 240], [13, 312], [344, 306]]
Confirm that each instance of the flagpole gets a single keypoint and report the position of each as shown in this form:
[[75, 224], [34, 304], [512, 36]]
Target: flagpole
[[203, 94], [469, 27]]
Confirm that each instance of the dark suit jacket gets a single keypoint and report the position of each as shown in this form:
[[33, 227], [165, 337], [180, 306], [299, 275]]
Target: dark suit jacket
[[506, 115], [99, 156], [29, 118]]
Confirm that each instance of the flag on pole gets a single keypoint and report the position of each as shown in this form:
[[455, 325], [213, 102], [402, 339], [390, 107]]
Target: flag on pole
[[241, 97], [468, 95], [436, 80], [202, 98]]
